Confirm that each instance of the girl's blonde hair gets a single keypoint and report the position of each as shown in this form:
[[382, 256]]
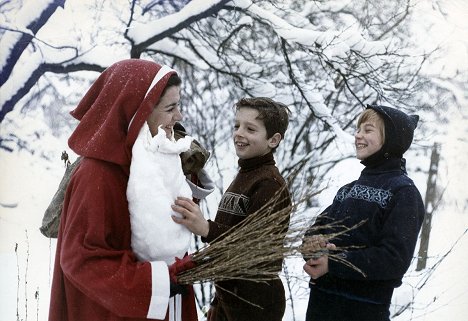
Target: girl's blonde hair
[[370, 115]]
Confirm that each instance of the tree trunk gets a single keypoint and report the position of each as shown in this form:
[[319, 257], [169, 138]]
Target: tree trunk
[[430, 205]]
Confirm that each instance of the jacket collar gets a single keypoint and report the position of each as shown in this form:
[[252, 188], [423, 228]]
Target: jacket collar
[[253, 163], [387, 165]]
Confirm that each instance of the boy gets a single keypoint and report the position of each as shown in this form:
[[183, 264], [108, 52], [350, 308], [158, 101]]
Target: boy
[[260, 125], [389, 203]]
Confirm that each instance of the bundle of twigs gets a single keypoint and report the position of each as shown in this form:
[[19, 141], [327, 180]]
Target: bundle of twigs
[[249, 250]]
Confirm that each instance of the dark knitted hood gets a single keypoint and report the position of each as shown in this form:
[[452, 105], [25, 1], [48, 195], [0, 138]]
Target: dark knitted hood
[[399, 129]]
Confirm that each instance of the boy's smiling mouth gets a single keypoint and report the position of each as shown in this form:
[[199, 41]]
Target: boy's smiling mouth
[[361, 146], [240, 144]]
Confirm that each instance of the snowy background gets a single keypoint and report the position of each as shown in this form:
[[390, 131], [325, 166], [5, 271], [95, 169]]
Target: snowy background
[[28, 182], [29, 177]]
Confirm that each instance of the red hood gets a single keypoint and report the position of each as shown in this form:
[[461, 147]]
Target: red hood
[[117, 99]]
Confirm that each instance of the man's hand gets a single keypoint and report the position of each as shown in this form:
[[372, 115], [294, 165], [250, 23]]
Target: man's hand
[[190, 216], [179, 266]]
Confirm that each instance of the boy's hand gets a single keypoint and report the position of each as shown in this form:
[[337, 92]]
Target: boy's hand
[[314, 246], [317, 266], [191, 216]]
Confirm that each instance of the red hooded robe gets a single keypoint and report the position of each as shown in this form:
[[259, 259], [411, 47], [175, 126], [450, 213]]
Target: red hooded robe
[[96, 274]]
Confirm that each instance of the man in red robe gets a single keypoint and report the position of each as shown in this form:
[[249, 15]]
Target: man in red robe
[[96, 274]]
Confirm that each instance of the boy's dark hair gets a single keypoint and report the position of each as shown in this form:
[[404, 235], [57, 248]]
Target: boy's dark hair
[[274, 115]]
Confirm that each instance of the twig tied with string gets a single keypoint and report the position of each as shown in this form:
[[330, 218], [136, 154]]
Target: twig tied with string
[[249, 250]]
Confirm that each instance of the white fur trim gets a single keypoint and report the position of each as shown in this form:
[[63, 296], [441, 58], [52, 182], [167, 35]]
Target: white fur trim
[[156, 180], [175, 308], [206, 181], [178, 307], [160, 288]]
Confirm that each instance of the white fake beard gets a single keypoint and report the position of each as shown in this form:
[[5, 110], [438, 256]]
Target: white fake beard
[[156, 179]]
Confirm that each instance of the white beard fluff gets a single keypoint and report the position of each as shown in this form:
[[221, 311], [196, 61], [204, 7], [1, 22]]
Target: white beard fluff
[[156, 179]]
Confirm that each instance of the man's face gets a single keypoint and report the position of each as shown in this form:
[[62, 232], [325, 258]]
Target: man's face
[[166, 113], [367, 140]]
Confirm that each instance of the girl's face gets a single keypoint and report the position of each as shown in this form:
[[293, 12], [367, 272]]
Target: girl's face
[[367, 139], [250, 135], [166, 113]]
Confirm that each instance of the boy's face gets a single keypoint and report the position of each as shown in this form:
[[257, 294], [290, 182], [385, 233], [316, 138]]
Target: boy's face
[[166, 113], [367, 139], [250, 135]]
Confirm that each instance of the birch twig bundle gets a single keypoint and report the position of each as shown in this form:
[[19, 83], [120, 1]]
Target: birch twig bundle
[[249, 250]]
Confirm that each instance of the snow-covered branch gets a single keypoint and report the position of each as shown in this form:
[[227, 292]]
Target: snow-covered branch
[[143, 35], [29, 20]]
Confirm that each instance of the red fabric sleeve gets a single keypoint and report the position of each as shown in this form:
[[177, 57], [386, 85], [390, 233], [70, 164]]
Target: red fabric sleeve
[[95, 252]]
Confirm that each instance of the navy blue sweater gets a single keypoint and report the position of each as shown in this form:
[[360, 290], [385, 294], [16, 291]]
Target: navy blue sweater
[[382, 248]]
